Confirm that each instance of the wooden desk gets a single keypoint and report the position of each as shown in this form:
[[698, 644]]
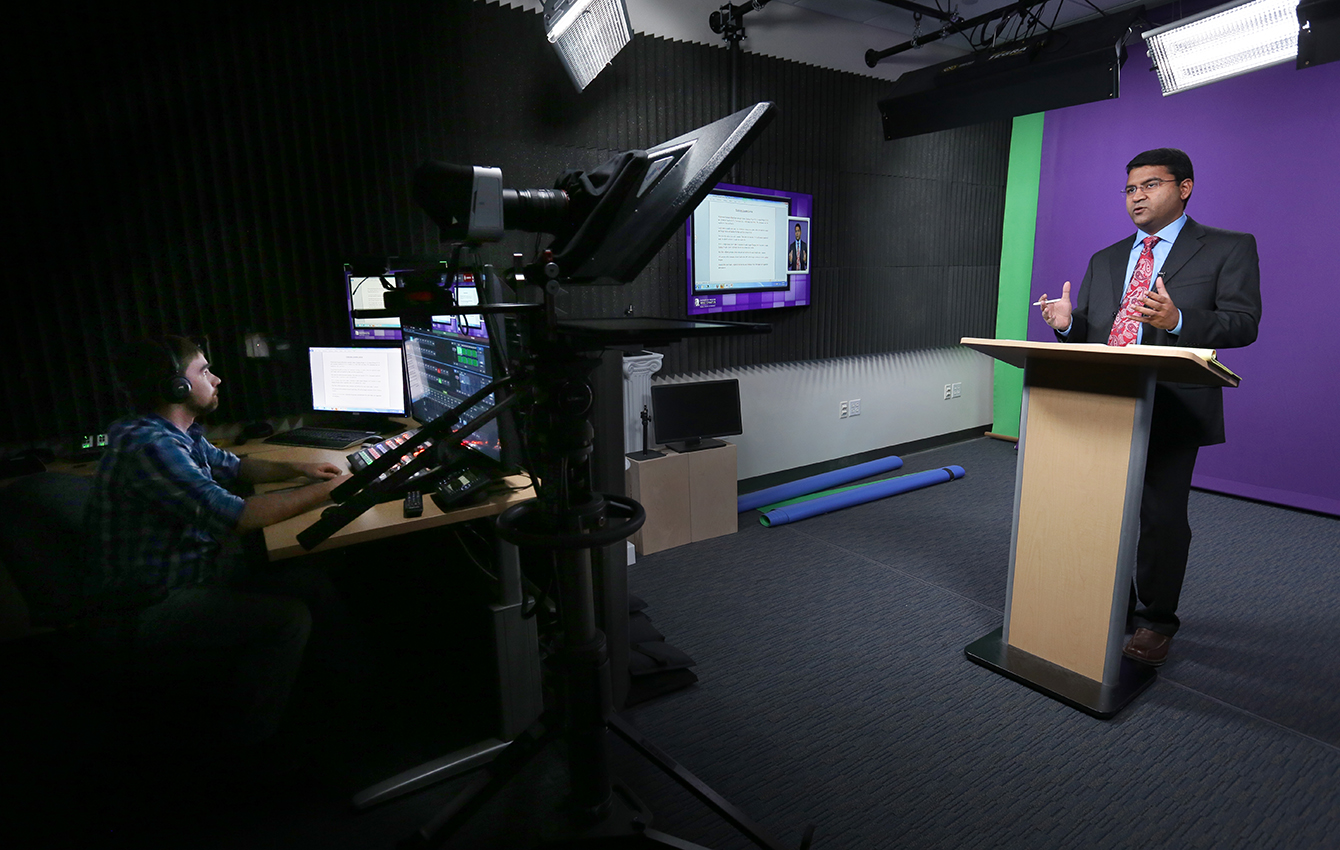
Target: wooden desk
[[514, 637], [515, 640], [381, 521]]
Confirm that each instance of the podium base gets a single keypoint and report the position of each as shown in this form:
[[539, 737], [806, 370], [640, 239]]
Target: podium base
[[1067, 686]]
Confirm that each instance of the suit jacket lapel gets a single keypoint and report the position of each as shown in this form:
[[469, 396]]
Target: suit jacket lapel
[[1187, 244], [1117, 265]]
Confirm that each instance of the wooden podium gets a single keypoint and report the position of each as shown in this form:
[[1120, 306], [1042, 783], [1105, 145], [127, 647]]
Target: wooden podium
[[1083, 434]]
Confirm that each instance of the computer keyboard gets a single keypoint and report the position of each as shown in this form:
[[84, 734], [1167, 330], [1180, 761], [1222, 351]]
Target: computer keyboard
[[320, 438]]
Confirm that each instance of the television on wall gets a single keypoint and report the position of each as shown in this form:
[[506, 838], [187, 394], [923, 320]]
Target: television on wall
[[749, 248]]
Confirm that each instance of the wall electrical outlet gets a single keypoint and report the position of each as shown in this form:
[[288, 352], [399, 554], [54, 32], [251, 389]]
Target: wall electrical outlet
[[854, 407], [842, 410], [949, 391], [958, 390]]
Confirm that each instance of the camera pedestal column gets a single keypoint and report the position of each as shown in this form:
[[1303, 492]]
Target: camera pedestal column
[[568, 520]]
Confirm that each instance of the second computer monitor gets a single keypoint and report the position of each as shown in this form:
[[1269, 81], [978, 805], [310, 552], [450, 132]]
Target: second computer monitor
[[357, 380], [444, 369]]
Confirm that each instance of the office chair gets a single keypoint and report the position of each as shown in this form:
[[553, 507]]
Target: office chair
[[66, 649], [42, 546]]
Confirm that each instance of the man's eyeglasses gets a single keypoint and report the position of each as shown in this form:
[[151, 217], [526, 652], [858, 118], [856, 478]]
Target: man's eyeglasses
[[1148, 186]]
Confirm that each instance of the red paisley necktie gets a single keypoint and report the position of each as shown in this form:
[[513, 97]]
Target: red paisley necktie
[[1126, 328]]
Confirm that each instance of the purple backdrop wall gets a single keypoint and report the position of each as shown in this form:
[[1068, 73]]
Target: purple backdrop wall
[[1268, 162]]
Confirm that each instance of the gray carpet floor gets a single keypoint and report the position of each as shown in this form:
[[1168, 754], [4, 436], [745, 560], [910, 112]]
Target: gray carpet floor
[[834, 689]]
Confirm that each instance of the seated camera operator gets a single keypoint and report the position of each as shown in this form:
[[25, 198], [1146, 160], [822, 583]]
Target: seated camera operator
[[217, 649]]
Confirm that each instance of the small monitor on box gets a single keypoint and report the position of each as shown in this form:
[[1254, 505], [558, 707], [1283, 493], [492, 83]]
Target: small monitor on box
[[685, 417]]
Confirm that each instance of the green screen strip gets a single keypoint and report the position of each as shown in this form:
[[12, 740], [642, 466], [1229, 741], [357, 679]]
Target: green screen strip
[[1016, 265]]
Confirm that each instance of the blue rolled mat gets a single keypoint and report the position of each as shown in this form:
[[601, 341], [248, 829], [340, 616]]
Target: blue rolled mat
[[815, 483], [868, 493]]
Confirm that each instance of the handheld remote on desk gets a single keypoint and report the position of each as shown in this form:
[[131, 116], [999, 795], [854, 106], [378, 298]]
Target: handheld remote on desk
[[413, 504]]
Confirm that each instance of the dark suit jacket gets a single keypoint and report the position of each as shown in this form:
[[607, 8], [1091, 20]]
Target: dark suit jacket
[[797, 256], [1214, 278]]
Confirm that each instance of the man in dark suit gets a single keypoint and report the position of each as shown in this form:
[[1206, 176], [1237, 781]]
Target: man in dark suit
[[1176, 283], [797, 255]]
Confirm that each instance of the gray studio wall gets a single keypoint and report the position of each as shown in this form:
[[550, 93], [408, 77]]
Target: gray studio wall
[[209, 170]]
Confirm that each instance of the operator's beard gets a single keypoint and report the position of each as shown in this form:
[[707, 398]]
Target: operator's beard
[[198, 410]]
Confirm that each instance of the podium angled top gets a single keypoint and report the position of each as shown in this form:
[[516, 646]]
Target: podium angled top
[[1183, 365]]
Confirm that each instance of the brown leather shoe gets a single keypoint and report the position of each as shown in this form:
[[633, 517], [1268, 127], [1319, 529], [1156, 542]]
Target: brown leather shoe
[[1148, 647]]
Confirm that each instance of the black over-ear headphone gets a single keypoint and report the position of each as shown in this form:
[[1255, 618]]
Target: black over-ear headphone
[[175, 387]]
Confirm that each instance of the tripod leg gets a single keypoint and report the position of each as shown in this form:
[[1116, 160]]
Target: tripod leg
[[697, 787], [481, 789]]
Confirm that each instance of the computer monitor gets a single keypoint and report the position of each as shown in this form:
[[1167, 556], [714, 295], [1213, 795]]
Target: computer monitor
[[685, 416], [366, 289], [368, 292], [464, 293], [444, 368], [749, 248], [362, 385]]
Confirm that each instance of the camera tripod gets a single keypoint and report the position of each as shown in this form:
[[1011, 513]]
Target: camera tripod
[[569, 520]]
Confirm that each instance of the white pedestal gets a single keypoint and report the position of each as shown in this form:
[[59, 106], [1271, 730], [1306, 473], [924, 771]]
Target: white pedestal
[[637, 372]]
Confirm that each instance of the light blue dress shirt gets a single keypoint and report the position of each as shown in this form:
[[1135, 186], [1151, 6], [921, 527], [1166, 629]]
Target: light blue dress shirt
[[1162, 248]]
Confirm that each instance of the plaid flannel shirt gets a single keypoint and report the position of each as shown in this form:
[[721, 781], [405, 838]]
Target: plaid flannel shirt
[[159, 513]]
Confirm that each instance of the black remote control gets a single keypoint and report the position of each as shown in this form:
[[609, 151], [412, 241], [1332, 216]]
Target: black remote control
[[413, 504]]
